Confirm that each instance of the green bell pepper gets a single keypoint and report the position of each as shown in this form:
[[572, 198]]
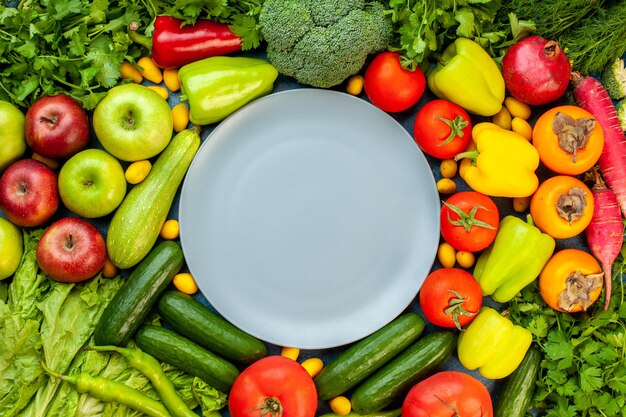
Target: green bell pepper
[[493, 344], [514, 259], [217, 86], [469, 77]]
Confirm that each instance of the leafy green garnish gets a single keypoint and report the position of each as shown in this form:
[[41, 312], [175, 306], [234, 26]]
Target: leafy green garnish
[[76, 47], [583, 371], [426, 27]]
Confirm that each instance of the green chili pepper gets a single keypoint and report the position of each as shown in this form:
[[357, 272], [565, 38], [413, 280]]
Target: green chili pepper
[[108, 390], [217, 86], [151, 368]]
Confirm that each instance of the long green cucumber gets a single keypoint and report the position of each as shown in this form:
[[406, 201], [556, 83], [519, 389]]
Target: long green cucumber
[[180, 352], [398, 376], [195, 321], [131, 304], [366, 356]]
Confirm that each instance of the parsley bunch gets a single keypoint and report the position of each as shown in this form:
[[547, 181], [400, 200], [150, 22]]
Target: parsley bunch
[[76, 47], [426, 27], [583, 371]]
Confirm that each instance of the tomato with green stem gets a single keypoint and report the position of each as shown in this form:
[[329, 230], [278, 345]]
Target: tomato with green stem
[[448, 394], [390, 86], [469, 221], [450, 297], [442, 129], [274, 386]]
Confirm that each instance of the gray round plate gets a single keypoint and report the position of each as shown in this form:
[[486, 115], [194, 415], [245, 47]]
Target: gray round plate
[[309, 218]]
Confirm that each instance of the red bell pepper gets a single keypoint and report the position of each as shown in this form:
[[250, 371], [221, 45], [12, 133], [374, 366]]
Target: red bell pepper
[[174, 45]]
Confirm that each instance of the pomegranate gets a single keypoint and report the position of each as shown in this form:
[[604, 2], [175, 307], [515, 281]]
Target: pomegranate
[[536, 70]]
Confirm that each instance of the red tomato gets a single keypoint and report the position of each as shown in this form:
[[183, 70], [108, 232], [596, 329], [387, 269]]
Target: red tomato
[[442, 129], [450, 297], [389, 86], [469, 221], [448, 394], [271, 387]]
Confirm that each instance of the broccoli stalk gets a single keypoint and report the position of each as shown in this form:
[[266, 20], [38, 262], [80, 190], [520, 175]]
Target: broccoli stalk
[[323, 42], [614, 79]]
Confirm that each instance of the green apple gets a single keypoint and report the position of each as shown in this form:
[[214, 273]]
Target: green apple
[[11, 248], [133, 122], [92, 183], [12, 141]]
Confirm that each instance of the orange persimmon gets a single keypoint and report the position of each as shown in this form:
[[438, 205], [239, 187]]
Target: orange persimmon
[[571, 281], [568, 139], [562, 206]]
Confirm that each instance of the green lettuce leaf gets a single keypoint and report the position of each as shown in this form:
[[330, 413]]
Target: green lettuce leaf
[[70, 313]]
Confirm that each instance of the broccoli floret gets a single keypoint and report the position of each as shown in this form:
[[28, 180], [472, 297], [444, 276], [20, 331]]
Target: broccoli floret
[[334, 37], [621, 113], [325, 13], [278, 17], [614, 79]]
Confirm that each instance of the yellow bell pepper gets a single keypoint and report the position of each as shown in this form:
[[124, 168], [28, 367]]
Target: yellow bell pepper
[[493, 344], [501, 164], [469, 77]]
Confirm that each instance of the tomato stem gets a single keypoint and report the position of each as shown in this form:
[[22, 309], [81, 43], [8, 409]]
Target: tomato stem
[[450, 406], [467, 220], [271, 405], [455, 308], [456, 128]]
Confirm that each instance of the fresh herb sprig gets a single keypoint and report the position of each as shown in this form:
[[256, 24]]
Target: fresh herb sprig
[[583, 371]]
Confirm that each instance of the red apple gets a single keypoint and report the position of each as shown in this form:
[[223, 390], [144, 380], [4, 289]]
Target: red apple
[[71, 250], [56, 126], [29, 194]]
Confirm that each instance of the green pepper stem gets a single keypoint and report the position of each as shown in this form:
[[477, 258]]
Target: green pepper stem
[[50, 372], [109, 348], [467, 154], [183, 97], [137, 37], [529, 219]]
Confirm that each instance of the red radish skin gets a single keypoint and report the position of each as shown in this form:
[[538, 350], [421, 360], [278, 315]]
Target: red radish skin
[[536, 70], [591, 95], [605, 233]]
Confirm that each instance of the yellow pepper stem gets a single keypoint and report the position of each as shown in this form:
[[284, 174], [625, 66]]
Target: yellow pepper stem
[[473, 155]]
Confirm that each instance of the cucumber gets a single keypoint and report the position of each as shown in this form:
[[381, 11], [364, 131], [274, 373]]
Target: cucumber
[[185, 355], [136, 224], [131, 304], [516, 391], [366, 356], [397, 377], [193, 320]]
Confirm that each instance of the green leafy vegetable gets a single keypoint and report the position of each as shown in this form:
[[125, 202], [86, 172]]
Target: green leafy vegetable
[[583, 372], [76, 47], [425, 27]]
